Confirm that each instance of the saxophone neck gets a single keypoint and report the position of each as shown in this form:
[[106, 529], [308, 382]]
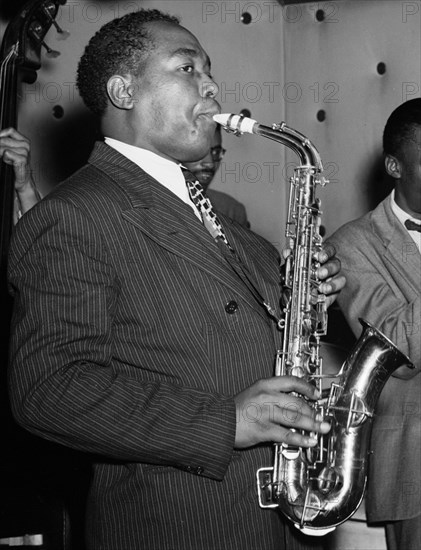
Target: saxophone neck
[[279, 132], [291, 138]]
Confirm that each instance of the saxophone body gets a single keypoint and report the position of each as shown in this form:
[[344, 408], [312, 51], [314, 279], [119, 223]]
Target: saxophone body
[[320, 487]]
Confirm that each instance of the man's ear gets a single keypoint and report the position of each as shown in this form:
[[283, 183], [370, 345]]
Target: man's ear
[[121, 91], [393, 166]]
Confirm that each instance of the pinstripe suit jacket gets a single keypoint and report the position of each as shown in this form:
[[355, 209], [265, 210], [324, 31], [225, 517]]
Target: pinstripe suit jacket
[[383, 269], [122, 346]]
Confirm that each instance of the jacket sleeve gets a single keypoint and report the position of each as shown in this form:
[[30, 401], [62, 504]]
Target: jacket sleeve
[[64, 383], [372, 293]]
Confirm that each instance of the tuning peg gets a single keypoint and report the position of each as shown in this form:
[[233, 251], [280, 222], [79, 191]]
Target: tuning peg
[[50, 10], [62, 34], [36, 31], [50, 53]]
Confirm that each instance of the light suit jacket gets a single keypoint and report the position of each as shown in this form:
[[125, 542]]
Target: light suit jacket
[[130, 336], [383, 269]]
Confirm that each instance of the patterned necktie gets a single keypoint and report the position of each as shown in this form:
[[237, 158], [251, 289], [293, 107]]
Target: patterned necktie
[[204, 206], [412, 226]]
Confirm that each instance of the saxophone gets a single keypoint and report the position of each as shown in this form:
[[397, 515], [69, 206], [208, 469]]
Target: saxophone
[[321, 487]]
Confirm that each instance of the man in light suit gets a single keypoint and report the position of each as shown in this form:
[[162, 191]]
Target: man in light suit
[[380, 255], [136, 335]]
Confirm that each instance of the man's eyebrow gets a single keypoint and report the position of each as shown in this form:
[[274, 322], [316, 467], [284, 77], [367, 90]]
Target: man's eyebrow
[[189, 52]]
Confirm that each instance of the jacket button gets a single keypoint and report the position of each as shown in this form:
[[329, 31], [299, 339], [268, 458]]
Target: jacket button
[[231, 307], [199, 470]]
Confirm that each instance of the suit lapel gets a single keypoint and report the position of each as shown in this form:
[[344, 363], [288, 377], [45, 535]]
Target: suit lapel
[[167, 220]]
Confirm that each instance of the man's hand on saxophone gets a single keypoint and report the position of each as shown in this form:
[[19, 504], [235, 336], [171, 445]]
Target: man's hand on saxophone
[[329, 273], [268, 411]]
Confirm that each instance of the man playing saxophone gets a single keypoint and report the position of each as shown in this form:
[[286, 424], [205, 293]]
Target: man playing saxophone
[[139, 336]]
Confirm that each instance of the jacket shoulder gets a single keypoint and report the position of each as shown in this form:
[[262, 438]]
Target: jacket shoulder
[[373, 226]]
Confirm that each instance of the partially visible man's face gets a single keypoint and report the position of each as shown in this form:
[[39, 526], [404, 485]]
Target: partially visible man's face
[[174, 105], [408, 188], [205, 168]]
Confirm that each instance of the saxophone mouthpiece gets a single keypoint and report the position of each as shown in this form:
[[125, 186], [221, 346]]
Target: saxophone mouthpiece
[[237, 124]]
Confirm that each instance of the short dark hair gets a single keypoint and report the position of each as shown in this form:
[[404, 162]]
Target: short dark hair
[[120, 46], [401, 127]]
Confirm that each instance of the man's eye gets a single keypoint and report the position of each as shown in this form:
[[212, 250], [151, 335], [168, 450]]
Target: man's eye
[[187, 68]]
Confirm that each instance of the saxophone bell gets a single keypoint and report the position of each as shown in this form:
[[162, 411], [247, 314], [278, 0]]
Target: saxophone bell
[[318, 493]]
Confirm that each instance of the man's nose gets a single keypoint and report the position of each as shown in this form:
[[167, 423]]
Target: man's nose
[[209, 88]]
